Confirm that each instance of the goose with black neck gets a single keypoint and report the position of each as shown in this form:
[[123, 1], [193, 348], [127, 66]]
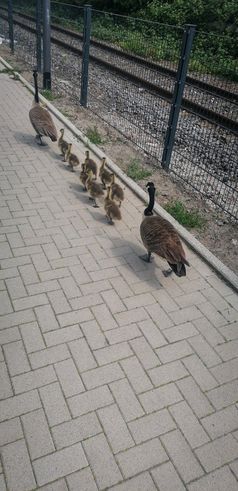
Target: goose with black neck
[[160, 237], [40, 118]]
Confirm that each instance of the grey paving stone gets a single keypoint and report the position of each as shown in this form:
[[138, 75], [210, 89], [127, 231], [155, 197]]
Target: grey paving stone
[[5, 304], [102, 462], [126, 400], [46, 318], [167, 373], [225, 395], [189, 424], [16, 358], [221, 422], [145, 353], [143, 482], [17, 466], [195, 397], [32, 380], [5, 383], [152, 425], [37, 434], [200, 373], [156, 399], [136, 374], [32, 337], [17, 405], [82, 355], [217, 453], [167, 479], [10, 431], [82, 480], [69, 378], [59, 464], [216, 481], [141, 457], [63, 335], [115, 428], [66, 434], [90, 400], [48, 356], [102, 375], [54, 404], [182, 456]]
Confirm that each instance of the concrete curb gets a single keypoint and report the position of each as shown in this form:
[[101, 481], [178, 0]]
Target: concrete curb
[[226, 273]]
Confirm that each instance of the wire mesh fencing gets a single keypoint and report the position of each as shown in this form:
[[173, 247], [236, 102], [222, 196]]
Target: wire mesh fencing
[[133, 66], [125, 55]]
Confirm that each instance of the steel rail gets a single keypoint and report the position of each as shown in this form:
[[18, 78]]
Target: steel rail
[[198, 110]]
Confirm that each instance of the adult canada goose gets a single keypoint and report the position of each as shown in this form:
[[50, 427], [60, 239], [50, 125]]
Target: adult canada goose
[[83, 176], [71, 158], [40, 118], [112, 210], [90, 164], [62, 144], [105, 175], [117, 191], [94, 188], [160, 237]]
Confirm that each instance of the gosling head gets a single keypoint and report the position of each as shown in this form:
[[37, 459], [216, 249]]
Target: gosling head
[[62, 131]]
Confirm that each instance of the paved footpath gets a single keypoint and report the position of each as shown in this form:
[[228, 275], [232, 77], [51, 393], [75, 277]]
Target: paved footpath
[[112, 376]]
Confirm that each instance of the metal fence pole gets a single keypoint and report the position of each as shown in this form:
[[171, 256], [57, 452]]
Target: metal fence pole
[[188, 36], [85, 55], [46, 46], [38, 34], [10, 24]]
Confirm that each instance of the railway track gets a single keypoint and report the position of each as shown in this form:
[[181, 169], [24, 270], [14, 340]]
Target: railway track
[[128, 66]]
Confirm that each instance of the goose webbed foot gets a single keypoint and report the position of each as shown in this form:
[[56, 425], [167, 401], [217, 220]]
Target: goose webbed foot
[[39, 141], [146, 257], [167, 272], [109, 220]]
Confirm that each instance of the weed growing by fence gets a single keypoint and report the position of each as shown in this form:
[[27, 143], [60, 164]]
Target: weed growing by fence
[[190, 219]]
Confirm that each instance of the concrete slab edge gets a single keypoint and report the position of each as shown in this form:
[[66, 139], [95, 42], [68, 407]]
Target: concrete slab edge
[[226, 273]]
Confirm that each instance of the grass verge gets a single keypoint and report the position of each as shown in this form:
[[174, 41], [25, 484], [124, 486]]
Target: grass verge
[[187, 218]]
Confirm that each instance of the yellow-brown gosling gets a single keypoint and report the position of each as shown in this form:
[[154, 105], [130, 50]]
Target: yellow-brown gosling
[[94, 188], [117, 191], [112, 210], [71, 158], [161, 238], [90, 164], [83, 177], [40, 118], [104, 174], [62, 144]]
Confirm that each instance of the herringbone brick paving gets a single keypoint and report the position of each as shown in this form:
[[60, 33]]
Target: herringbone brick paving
[[112, 376]]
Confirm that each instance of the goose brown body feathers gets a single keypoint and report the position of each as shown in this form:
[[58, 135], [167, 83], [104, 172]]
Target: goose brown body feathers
[[117, 192], [111, 208], [94, 188], [71, 157], [40, 118], [62, 144], [83, 176], [160, 237], [105, 175], [90, 164]]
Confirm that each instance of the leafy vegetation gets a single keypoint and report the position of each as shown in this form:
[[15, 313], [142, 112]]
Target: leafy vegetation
[[215, 47], [136, 172], [190, 219], [93, 135], [48, 95]]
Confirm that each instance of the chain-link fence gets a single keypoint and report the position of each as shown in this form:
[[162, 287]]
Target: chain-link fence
[[133, 68]]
